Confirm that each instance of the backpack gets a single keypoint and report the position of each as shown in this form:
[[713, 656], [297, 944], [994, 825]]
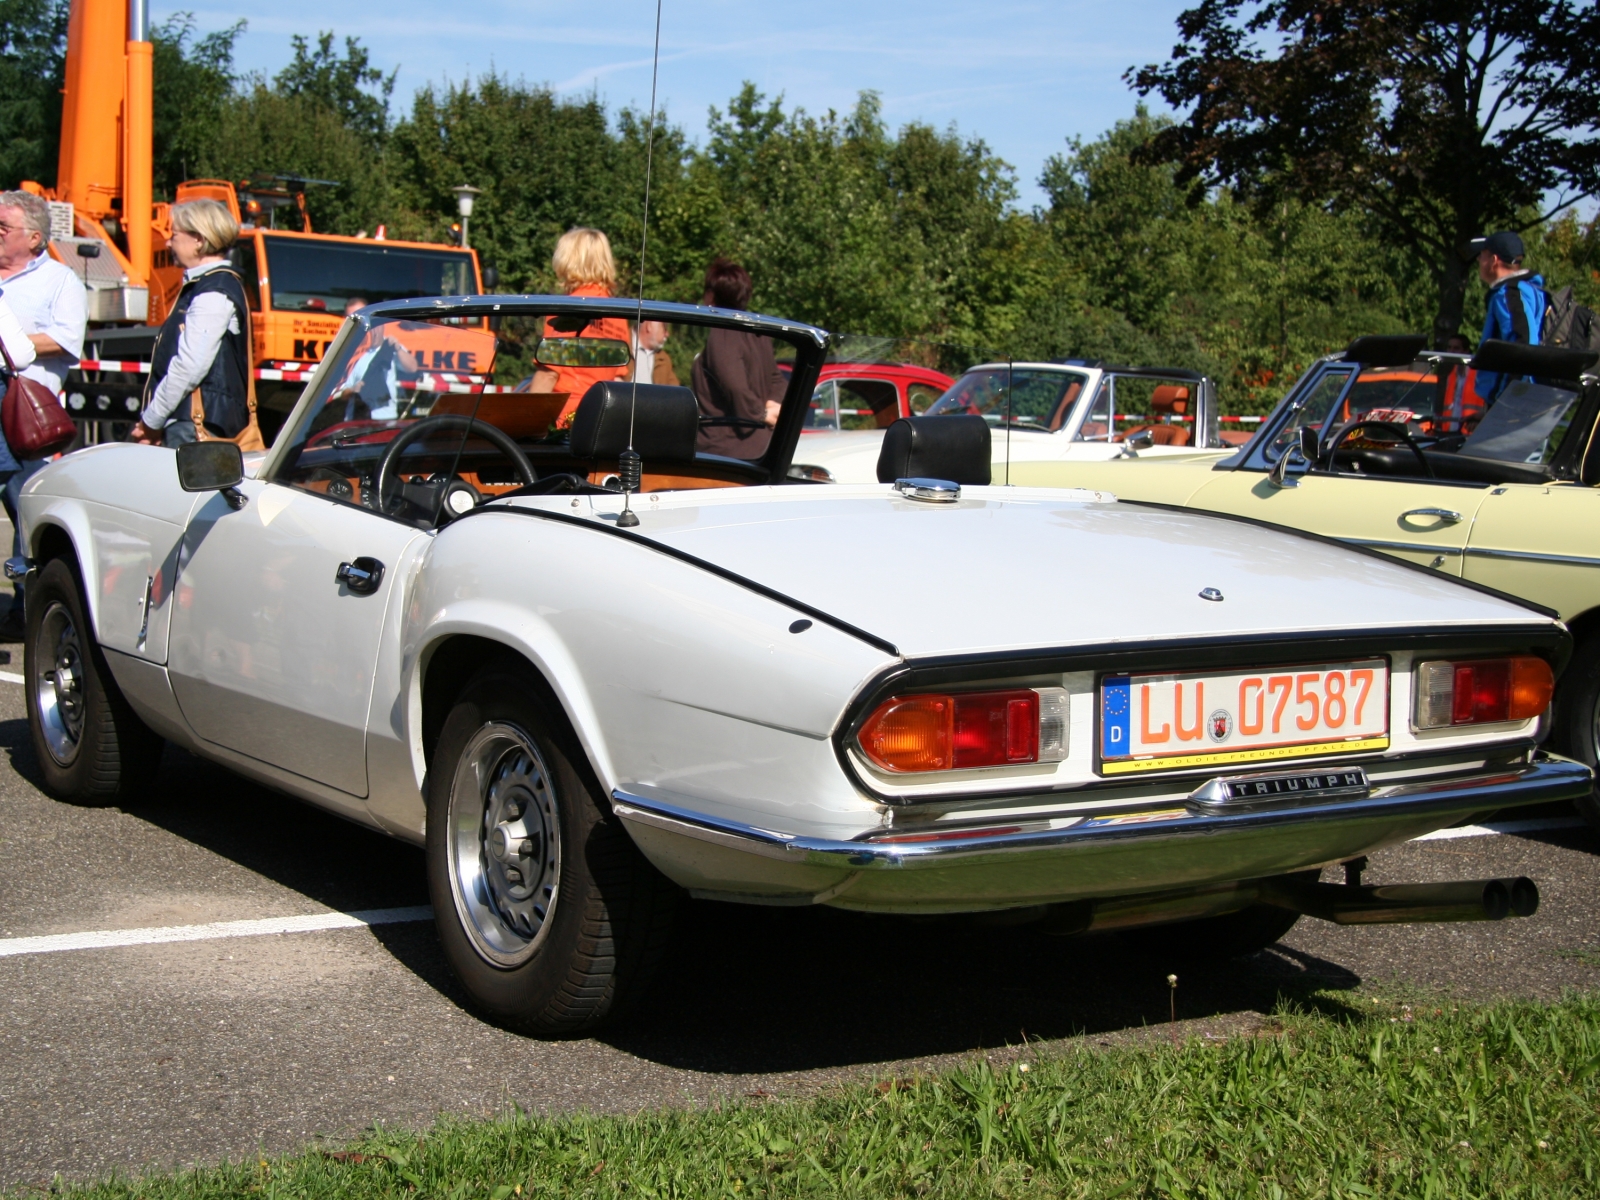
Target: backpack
[[1568, 323]]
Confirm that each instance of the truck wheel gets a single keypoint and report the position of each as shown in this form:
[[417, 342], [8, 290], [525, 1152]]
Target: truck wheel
[[1577, 717], [91, 746], [1212, 939], [548, 913]]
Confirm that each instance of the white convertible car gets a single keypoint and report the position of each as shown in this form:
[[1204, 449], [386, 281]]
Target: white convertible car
[[429, 609], [1049, 412]]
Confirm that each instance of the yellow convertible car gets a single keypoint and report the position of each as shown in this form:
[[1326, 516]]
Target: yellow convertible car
[[1393, 447]]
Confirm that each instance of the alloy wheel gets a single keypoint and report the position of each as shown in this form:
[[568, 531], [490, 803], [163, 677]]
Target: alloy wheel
[[504, 844], [59, 687]]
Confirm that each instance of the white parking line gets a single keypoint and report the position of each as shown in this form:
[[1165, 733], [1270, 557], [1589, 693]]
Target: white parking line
[[1495, 828], [11, 677], [99, 939]]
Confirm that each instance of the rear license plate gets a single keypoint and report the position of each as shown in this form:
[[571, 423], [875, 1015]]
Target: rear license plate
[[1202, 719]]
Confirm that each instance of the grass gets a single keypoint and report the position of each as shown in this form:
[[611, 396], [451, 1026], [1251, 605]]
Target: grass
[[1497, 1101]]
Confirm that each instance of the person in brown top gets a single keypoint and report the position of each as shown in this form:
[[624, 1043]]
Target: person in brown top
[[736, 377]]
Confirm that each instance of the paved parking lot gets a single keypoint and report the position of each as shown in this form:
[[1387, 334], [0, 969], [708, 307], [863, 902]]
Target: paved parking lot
[[163, 1054]]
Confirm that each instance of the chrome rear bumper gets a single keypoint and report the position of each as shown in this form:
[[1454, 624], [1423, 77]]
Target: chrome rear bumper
[[712, 856]]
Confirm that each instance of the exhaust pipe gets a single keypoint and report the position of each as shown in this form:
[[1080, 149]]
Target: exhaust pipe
[[1405, 903], [1343, 904]]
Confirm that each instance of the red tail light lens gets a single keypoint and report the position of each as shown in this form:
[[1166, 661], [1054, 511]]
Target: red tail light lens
[[992, 728], [943, 732], [1481, 691]]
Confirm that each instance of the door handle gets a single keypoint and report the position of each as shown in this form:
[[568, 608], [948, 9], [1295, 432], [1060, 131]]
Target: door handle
[[361, 576], [1447, 515]]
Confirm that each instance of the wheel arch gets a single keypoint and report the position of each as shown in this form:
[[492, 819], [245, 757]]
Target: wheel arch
[[1585, 625], [451, 657], [62, 531]]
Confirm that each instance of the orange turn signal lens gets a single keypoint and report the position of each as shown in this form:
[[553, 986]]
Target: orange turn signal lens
[[1533, 683], [911, 733]]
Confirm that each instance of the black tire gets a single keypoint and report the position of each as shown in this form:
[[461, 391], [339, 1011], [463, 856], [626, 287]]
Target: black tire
[[548, 913], [1576, 724], [1216, 939], [91, 747]]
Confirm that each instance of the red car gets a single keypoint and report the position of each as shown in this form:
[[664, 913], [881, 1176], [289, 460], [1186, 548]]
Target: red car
[[872, 395]]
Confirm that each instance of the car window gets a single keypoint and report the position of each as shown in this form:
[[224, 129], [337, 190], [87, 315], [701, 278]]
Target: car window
[[1312, 411], [424, 420], [867, 403], [1097, 423], [320, 276], [922, 396], [1524, 425], [824, 410], [1028, 397]]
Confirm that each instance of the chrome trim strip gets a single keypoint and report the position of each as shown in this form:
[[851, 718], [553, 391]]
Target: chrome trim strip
[[1576, 560], [1419, 547], [1546, 778]]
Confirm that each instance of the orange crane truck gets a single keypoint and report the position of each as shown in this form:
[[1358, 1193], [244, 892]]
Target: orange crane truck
[[107, 226]]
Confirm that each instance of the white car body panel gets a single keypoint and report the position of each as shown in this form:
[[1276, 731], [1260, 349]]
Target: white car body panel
[[271, 657]]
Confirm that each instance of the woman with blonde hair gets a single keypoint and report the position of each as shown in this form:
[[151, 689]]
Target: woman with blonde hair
[[200, 386], [584, 267]]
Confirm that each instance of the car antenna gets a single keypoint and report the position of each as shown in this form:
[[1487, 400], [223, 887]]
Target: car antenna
[[629, 465]]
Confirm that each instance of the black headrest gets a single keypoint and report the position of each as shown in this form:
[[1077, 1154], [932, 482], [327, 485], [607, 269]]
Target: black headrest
[[955, 448], [1386, 350], [1546, 362], [665, 420]]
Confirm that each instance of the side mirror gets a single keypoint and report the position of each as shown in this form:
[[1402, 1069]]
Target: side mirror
[[1310, 445], [1142, 441], [491, 278], [209, 466]]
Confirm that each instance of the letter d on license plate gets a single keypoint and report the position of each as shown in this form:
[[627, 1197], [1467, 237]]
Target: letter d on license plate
[[1165, 722]]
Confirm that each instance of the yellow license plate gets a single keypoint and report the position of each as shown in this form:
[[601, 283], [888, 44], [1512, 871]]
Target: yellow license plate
[[1202, 719]]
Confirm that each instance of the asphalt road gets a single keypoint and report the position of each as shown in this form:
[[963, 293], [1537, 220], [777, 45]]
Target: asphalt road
[[162, 1055]]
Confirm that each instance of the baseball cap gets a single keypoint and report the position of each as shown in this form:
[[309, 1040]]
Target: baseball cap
[[1505, 245]]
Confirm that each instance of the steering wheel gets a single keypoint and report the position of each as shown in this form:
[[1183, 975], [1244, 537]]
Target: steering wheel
[[387, 473], [1389, 427]]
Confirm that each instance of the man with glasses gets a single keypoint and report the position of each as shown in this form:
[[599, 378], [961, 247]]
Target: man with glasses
[[49, 301]]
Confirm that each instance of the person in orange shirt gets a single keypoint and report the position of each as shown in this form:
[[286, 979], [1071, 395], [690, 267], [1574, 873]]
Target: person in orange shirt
[[1461, 407], [584, 267]]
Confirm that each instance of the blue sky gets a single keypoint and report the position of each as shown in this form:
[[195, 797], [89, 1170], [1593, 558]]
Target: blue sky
[[1024, 77]]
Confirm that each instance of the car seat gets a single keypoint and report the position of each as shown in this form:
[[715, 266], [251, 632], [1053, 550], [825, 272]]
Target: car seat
[[1168, 400]]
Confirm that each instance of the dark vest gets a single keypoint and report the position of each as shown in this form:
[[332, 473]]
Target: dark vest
[[225, 391]]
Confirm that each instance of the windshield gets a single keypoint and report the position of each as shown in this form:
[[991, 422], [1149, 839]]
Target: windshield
[[1036, 399], [1525, 425], [1437, 402], [322, 276], [387, 429]]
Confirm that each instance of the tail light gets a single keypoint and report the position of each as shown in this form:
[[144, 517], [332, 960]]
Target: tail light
[[940, 731], [1481, 691]]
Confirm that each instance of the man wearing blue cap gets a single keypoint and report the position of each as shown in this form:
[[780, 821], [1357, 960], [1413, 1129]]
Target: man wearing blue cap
[[1516, 300]]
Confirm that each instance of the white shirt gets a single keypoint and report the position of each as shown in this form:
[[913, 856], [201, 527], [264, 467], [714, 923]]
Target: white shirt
[[210, 317], [15, 338], [48, 298]]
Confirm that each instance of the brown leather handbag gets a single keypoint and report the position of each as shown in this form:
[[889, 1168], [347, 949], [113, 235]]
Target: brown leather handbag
[[248, 438], [31, 417]]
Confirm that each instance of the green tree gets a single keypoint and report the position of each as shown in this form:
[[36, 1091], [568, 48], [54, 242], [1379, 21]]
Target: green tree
[[543, 165], [349, 86], [33, 38], [194, 86], [1249, 295], [1437, 120]]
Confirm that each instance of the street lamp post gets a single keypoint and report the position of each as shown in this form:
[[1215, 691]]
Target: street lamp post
[[464, 198]]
